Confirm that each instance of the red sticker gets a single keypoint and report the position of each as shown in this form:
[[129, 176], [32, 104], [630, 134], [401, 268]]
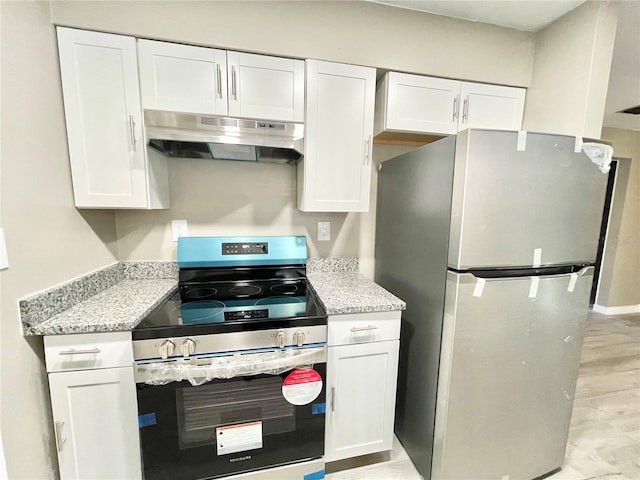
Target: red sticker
[[302, 386]]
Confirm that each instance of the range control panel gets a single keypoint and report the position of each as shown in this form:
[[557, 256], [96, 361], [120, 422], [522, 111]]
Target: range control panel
[[261, 248]]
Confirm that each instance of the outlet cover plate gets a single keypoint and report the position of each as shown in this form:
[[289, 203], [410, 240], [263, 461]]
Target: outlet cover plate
[[324, 231], [179, 229]]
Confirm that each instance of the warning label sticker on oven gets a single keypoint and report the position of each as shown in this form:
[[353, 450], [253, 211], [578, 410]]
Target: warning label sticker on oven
[[238, 438], [302, 386]]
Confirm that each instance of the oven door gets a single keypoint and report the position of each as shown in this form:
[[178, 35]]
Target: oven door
[[231, 425]]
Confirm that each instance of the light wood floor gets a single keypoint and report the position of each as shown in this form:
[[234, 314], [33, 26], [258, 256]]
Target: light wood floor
[[604, 438]]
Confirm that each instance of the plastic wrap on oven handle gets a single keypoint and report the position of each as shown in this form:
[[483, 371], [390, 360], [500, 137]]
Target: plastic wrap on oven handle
[[229, 366]]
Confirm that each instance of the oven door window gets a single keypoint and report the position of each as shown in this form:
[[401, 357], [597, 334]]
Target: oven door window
[[226, 426]]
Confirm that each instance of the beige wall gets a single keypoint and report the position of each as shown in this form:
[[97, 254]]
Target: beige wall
[[48, 240], [362, 33], [571, 68], [235, 198], [620, 279]]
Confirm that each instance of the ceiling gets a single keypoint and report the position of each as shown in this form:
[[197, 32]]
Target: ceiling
[[534, 15]]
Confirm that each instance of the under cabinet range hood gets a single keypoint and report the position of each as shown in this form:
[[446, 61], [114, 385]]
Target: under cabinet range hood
[[189, 135]]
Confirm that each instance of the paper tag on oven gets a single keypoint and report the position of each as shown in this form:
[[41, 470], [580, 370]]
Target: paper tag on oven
[[239, 438], [302, 386]]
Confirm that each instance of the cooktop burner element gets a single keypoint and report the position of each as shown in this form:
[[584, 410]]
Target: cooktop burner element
[[236, 285]]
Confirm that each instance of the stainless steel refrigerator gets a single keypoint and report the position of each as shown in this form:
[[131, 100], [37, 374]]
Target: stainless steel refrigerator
[[489, 237]]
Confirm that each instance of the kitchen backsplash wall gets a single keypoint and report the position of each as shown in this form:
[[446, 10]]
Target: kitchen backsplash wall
[[235, 198]]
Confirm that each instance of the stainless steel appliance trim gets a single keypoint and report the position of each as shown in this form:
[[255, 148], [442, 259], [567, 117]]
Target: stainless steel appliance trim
[[230, 342], [188, 127]]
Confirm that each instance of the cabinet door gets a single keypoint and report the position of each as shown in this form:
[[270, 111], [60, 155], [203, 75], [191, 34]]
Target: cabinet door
[[96, 424], [182, 78], [422, 104], [335, 174], [104, 121], [266, 88], [491, 106], [361, 390]]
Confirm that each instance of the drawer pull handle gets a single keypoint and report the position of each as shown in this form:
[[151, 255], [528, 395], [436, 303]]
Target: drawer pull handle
[[80, 352], [364, 329]]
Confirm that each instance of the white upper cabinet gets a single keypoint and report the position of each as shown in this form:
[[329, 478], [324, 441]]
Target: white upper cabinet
[[419, 104], [416, 104], [491, 106], [184, 78], [335, 174], [104, 123], [262, 87]]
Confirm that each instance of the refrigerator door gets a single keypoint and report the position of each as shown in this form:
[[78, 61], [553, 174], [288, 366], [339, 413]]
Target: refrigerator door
[[508, 369], [538, 205]]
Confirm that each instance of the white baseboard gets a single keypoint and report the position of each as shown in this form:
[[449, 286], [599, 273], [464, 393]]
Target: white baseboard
[[617, 310]]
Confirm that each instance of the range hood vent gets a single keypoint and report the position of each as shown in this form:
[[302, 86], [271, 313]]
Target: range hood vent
[[632, 110], [222, 138]]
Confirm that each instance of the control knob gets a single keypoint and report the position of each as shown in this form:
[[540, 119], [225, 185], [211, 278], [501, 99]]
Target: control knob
[[281, 339], [299, 338], [188, 347], [166, 349]]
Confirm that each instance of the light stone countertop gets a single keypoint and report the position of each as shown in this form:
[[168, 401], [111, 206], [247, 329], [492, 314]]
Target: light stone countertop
[[350, 292], [120, 307], [120, 296]]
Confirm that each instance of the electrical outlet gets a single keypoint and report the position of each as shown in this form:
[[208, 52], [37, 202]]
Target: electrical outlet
[[179, 229], [324, 231]]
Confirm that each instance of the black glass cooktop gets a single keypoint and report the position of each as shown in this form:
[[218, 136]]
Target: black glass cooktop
[[201, 317]]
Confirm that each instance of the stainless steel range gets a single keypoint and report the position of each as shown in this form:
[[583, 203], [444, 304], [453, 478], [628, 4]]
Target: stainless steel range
[[230, 372]]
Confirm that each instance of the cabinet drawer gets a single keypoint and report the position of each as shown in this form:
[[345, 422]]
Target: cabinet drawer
[[88, 350], [363, 327]]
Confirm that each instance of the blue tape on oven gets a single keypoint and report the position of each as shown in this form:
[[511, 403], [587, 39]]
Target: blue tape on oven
[[319, 475], [147, 420], [318, 408]]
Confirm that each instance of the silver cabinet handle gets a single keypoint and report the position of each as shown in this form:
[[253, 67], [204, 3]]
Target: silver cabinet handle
[[455, 108], [367, 151], [219, 79], [132, 127], [364, 329], [333, 399], [57, 427], [465, 109], [234, 88], [80, 352]]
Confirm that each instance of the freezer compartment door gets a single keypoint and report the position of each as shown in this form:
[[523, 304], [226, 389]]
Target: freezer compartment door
[[523, 203], [508, 368]]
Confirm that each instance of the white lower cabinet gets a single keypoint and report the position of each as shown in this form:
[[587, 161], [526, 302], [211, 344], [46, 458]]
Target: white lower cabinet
[[361, 384], [94, 409]]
